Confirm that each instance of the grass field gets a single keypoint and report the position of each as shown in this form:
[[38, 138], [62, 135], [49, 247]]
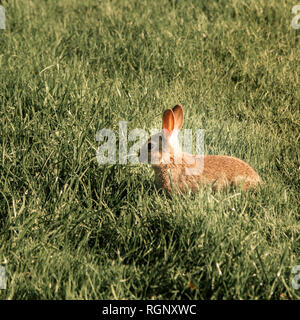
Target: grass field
[[72, 229]]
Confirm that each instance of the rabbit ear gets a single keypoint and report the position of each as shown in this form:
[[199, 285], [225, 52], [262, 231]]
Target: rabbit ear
[[168, 122], [178, 114]]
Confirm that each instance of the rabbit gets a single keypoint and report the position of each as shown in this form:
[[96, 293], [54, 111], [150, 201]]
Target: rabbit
[[171, 165]]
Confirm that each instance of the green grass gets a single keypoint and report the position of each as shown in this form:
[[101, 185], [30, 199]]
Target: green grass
[[72, 229]]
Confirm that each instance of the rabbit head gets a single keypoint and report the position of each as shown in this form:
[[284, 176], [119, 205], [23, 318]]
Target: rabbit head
[[164, 146]]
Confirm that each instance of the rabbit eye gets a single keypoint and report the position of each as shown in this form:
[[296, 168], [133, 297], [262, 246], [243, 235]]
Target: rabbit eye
[[150, 146]]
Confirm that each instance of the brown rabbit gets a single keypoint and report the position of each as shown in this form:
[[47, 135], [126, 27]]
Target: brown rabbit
[[177, 171]]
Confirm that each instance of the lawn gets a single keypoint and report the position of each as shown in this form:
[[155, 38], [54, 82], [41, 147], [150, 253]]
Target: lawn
[[71, 228]]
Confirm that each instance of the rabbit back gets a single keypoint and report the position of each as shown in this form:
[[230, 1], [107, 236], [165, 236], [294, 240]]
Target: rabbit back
[[218, 171]]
